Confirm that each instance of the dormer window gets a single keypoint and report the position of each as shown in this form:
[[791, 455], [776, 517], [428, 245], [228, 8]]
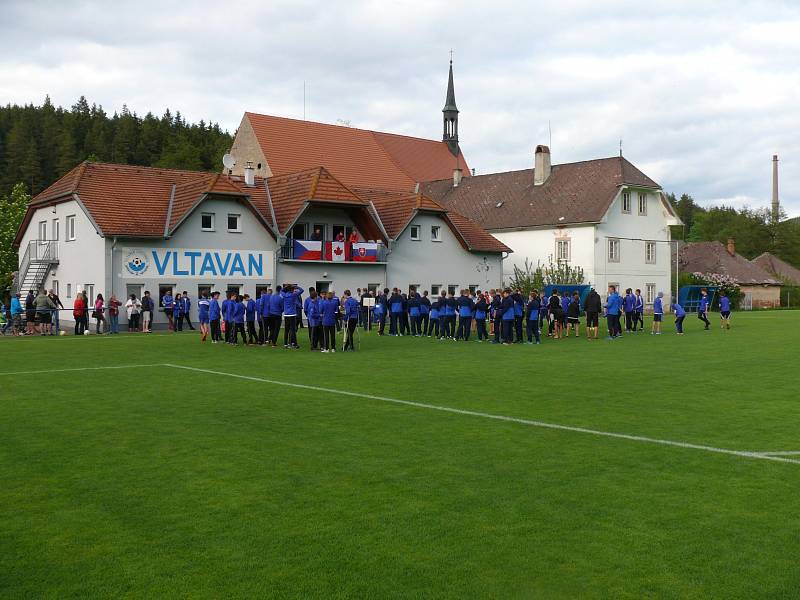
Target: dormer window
[[436, 233], [415, 236], [234, 223], [642, 205]]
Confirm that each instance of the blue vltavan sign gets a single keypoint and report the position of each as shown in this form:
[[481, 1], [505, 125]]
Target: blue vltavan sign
[[171, 263]]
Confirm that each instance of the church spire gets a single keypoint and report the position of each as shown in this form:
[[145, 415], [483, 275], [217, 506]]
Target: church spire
[[450, 114]]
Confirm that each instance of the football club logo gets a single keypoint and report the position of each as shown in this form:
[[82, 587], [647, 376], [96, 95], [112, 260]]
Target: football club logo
[[136, 262]]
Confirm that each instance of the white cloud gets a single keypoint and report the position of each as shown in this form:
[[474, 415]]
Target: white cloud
[[702, 94]]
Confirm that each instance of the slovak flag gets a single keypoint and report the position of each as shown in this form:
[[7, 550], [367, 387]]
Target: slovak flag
[[306, 250], [364, 252], [338, 251]]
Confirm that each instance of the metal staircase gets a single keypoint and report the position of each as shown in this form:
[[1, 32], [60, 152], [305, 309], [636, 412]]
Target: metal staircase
[[40, 256]]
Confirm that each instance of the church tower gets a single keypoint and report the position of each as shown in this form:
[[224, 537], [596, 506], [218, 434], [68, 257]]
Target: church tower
[[450, 115]]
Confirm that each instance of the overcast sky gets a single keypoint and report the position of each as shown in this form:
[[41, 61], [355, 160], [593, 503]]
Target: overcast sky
[[701, 94]]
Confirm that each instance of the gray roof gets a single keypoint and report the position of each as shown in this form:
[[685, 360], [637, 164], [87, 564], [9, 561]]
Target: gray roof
[[713, 257], [579, 192]]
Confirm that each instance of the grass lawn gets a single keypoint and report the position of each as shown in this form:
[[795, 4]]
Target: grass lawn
[[155, 481]]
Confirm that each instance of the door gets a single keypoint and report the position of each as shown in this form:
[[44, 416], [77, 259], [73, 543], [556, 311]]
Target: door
[[322, 286]]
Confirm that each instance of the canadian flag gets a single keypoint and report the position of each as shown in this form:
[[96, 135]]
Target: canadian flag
[[337, 252]]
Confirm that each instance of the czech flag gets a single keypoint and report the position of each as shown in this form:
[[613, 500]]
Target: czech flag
[[306, 250], [364, 252]]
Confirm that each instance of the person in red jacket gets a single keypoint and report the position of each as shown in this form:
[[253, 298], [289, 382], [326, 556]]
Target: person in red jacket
[[79, 312]]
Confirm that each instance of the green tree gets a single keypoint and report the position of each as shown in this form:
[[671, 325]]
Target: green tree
[[12, 210]]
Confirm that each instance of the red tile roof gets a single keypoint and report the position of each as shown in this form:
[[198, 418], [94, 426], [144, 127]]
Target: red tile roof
[[579, 192], [357, 157], [396, 210], [713, 257]]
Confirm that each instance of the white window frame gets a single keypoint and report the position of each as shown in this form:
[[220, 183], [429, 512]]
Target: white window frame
[[436, 289], [42, 233], [54, 286], [415, 237], [238, 228], [564, 243], [454, 287], [213, 221], [626, 201], [649, 293], [614, 243], [650, 257], [642, 206], [56, 230], [436, 233], [89, 289], [70, 228], [69, 290]]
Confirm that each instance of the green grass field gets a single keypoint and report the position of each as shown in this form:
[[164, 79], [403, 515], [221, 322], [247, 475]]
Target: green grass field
[[157, 481]]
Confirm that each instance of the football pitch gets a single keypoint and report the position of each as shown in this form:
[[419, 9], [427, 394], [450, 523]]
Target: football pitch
[[647, 467]]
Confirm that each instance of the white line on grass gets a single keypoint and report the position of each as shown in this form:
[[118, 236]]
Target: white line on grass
[[788, 453], [81, 369], [472, 413]]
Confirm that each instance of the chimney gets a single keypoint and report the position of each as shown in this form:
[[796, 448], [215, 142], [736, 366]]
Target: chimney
[[457, 174], [732, 246], [776, 206], [249, 174], [541, 164]]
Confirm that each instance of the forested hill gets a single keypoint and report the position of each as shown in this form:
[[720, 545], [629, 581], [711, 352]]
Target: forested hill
[[38, 144]]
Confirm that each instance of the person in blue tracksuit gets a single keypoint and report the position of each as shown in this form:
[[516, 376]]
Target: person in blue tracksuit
[[497, 316], [177, 312], [338, 312], [381, 310], [481, 309], [638, 311], [465, 308], [203, 305], [724, 310], [680, 315], [168, 302], [450, 308], [532, 309], [395, 312], [238, 310], [351, 311], [275, 311], [629, 306], [658, 314], [565, 302], [405, 325], [507, 315], [227, 315], [298, 324], [433, 315], [424, 313], [290, 294], [519, 312], [250, 317], [703, 307], [328, 310], [413, 311], [214, 314], [613, 305], [263, 316], [311, 309]]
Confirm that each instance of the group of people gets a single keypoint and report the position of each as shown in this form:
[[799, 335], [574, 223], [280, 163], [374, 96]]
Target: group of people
[[502, 316], [258, 321]]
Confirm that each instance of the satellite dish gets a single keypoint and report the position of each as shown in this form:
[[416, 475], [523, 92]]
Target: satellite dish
[[228, 161]]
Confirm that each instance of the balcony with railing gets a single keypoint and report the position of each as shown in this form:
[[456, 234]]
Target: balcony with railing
[[293, 250]]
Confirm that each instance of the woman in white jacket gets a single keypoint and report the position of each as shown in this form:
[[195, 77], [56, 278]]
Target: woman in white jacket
[[134, 308]]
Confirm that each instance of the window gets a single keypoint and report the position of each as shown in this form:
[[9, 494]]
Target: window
[[204, 289], [642, 204], [344, 230], [322, 286], [451, 289], [89, 289], [299, 231], [436, 290], [163, 290], [373, 287], [54, 285], [319, 229], [436, 233], [473, 289], [649, 292], [69, 290], [626, 202], [613, 250], [234, 223], [650, 253], [415, 233], [70, 220], [56, 230], [234, 289], [42, 230], [207, 222], [563, 250]]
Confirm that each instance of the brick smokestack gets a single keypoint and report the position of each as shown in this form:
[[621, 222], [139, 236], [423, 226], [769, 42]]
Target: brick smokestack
[[776, 206]]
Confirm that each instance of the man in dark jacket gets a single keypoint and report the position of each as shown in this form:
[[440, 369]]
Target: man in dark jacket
[[593, 306]]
